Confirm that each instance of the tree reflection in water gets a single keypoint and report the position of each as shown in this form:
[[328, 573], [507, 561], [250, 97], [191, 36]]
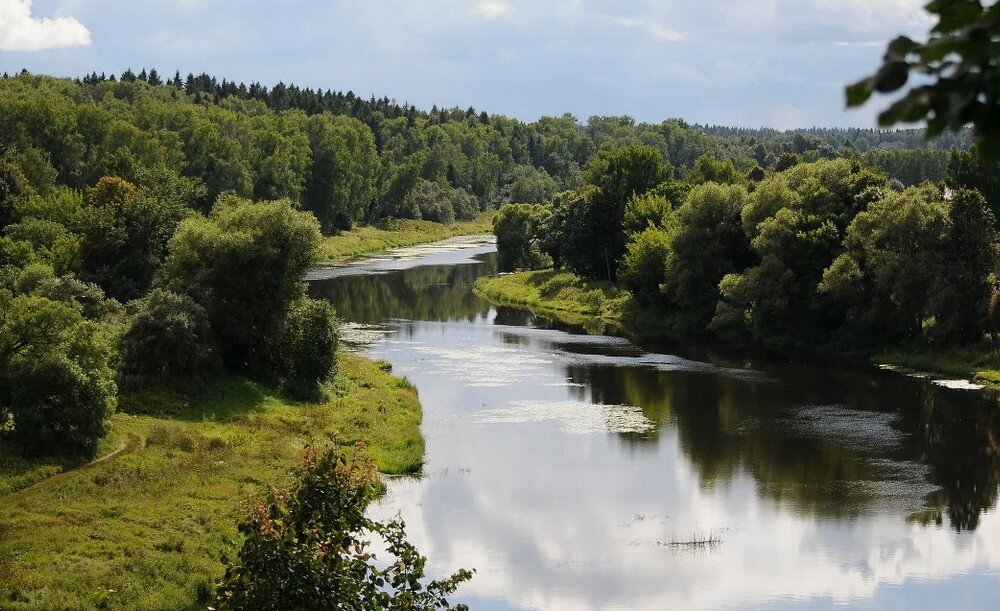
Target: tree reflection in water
[[825, 438]]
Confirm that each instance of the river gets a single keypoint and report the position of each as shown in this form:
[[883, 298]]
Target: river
[[577, 471]]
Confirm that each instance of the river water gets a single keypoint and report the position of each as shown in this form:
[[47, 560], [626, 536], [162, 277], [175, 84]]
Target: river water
[[578, 471]]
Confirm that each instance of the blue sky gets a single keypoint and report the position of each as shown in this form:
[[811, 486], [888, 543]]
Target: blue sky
[[780, 63]]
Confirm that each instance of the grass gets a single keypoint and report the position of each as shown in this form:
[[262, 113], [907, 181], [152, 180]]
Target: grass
[[697, 541], [575, 300], [146, 527], [396, 234], [981, 363], [557, 292]]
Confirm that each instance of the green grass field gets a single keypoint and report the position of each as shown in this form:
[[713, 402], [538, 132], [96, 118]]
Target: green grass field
[[145, 527], [396, 234]]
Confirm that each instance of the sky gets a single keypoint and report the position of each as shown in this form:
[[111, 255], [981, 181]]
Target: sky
[[775, 63]]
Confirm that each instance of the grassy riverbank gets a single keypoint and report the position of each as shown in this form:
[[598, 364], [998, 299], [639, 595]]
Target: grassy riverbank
[[561, 293], [145, 528], [568, 297], [396, 234], [981, 363]]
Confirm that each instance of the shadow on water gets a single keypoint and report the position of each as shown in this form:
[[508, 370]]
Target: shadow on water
[[830, 439]]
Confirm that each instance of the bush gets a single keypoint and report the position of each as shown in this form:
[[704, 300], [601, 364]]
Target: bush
[[306, 350], [168, 338], [643, 270], [244, 264], [646, 211], [125, 236], [431, 201], [518, 228], [308, 548], [13, 187], [61, 408], [465, 204]]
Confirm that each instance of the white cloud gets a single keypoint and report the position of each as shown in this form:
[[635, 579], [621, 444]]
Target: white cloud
[[653, 29], [20, 31], [868, 16], [494, 9]]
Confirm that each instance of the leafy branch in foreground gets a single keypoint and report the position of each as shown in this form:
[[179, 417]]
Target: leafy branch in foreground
[[960, 64], [309, 547]]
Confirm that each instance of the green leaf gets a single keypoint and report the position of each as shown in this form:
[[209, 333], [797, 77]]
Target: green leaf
[[900, 47], [859, 93], [955, 14], [891, 76]]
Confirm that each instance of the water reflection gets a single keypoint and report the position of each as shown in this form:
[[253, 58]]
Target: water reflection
[[559, 464]]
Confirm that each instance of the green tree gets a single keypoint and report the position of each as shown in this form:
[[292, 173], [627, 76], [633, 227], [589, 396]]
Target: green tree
[[645, 211], [892, 282], [975, 256], [124, 236], [795, 221], [344, 166], [55, 375], [708, 168], [519, 229], [306, 348], [527, 185], [244, 264], [708, 244], [431, 201], [168, 339], [309, 548], [60, 407], [589, 225], [968, 170], [644, 267], [13, 187]]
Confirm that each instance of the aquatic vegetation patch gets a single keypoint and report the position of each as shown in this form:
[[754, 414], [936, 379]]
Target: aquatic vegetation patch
[[572, 416], [484, 365], [360, 337]]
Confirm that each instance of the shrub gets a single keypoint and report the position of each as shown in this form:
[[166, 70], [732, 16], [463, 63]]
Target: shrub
[[643, 270], [646, 211], [168, 338], [61, 408], [429, 201], [518, 228], [306, 350], [308, 548], [244, 264]]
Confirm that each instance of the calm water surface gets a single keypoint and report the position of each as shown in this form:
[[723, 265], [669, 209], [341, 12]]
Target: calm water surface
[[578, 471]]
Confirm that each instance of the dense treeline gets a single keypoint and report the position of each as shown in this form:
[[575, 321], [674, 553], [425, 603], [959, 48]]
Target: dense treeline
[[132, 254], [351, 160], [827, 252]]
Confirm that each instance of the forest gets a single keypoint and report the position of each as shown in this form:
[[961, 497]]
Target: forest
[[127, 218], [829, 253], [155, 233]]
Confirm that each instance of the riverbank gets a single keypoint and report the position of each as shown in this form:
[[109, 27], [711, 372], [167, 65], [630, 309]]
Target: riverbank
[[146, 526], [567, 297], [980, 364], [558, 293], [401, 233]]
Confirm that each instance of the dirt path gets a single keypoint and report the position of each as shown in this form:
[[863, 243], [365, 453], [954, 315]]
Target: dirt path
[[133, 443]]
